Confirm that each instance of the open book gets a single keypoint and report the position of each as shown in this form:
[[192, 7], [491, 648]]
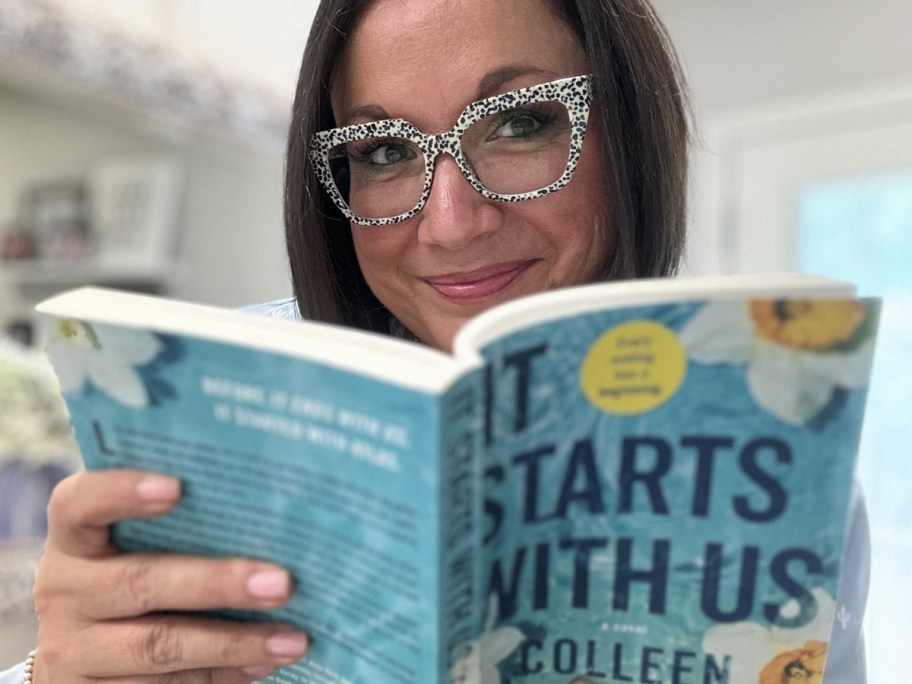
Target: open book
[[626, 482]]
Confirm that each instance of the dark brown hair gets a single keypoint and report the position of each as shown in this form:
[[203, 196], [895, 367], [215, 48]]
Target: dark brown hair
[[642, 105]]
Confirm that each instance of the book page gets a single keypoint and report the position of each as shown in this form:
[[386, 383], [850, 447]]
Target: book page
[[330, 474], [559, 304], [378, 356]]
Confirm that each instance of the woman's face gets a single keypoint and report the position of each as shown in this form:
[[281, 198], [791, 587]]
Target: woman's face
[[424, 61]]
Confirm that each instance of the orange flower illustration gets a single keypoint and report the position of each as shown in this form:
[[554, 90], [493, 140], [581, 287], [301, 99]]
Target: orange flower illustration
[[799, 666], [796, 352], [775, 655], [807, 324]]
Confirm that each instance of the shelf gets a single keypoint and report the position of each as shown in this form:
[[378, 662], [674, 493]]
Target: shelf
[[41, 273], [59, 53]]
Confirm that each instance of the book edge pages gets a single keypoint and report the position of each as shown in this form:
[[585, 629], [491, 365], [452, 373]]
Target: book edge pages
[[388, 359], [541, 308]]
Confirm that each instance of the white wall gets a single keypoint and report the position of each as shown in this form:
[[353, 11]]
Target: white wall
[[232, 248], [258, 42], [742, 54], [752, 63], [738, 53]]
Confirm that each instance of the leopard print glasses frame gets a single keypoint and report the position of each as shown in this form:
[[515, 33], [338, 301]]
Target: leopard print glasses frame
[[514, 146]]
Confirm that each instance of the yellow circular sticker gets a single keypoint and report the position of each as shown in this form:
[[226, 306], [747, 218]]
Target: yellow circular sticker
[[633, 368]]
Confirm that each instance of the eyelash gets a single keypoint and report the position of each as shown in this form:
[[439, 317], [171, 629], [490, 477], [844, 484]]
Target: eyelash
[[362, 154], [544, 116]]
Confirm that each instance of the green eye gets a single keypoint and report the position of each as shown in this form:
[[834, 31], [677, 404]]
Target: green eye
[[383, 153], [519, 127], [523, 123], [390, 154]]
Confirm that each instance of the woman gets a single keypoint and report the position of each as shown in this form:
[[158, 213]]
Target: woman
[[374, 244], [639, 144]]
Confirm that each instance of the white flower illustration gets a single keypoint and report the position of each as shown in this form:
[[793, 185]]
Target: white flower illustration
[[478, 659], [796, 352], [106, 357], [770, 654]]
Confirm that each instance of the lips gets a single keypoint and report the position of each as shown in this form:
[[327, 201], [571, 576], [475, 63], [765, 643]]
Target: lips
[[470, 287]]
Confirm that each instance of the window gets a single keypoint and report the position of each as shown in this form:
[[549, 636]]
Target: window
[[860, 227], [827, 188]]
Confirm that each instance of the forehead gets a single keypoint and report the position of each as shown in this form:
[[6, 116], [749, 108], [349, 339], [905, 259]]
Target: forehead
[[424, 60]]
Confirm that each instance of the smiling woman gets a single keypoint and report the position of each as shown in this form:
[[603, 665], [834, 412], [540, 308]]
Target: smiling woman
[[452, 240], [463, 253], [444, 156]]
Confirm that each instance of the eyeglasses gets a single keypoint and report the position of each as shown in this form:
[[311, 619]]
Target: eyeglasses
[[514, 146]]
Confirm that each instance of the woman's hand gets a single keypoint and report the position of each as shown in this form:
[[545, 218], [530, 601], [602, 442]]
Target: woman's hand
[[109, 616]]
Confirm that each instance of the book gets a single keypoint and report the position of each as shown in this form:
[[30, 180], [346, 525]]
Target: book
[[622, 482]]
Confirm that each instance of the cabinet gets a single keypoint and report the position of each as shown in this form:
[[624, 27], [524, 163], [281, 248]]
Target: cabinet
[[82, 201]]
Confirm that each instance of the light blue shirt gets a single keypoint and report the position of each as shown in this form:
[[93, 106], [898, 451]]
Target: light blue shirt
[[15, 675], [845, 652]]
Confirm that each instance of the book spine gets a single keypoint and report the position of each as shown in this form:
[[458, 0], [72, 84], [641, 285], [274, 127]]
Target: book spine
[[460, 504]]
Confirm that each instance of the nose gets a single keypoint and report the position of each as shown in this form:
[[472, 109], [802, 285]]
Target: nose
[[455, 213]]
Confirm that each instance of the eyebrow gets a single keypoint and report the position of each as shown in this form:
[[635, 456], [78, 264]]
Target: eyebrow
[[372, 111], [493, 81], [490, 84]]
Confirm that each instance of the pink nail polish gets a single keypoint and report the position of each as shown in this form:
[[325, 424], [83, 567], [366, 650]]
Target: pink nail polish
[[258, 671], [158, 489], [269, 584], [287, 644]]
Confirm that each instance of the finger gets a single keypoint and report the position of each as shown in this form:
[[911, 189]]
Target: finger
[[225, 675], [83, 505], [136, 584], [163, 644]]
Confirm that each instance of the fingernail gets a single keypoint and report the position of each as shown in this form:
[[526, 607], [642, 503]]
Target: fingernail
[[158, 488], [269, 584], [288, 644], [258, 671]]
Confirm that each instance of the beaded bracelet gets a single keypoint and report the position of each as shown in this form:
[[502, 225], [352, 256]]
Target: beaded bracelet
[[29, 666]]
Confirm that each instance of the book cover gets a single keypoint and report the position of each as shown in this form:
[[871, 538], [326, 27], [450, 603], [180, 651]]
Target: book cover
[[653, 491], [327, 472], [666, 490]]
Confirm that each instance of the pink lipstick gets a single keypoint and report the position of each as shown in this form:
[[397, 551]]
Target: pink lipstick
[[474, 286]]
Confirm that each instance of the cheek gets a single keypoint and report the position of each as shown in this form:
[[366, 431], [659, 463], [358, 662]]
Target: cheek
[[579, 223], [376, 252], [592, 202], [382, 254], [591, 177]]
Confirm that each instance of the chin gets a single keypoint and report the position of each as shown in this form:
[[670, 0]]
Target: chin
[[441, 335]]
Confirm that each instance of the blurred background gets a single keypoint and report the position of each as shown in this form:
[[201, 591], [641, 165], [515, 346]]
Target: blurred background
[[141, 146]]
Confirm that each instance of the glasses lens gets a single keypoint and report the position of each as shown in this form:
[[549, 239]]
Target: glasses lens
[[519, 150], [378, 177]]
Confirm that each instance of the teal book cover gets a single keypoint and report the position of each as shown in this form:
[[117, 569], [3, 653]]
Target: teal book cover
[[329, 473], [666, 491]]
